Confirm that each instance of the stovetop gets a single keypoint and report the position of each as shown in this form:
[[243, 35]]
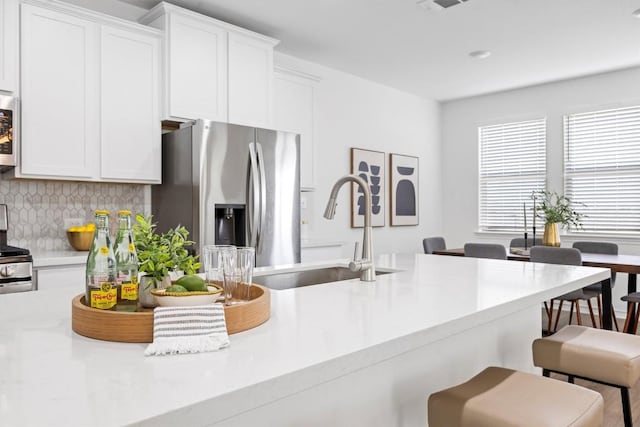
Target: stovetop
[[12, 251]]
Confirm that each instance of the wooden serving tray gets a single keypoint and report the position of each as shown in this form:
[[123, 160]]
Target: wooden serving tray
[[137, 326]]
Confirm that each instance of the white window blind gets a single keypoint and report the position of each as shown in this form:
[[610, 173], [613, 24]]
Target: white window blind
[[602, 168], [512, 166]]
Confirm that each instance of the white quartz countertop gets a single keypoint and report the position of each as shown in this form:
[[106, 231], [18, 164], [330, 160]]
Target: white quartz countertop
[[52, 376], [58, 258]]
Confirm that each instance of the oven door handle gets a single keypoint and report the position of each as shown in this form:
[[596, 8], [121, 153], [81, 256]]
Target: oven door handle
[[14, 287]]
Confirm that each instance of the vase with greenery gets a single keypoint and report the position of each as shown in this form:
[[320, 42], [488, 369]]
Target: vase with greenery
[[555, 210], [159, 255]]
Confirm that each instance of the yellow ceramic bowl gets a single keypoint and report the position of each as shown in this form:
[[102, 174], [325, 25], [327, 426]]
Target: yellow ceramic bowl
[[80, 240], [185, 299]]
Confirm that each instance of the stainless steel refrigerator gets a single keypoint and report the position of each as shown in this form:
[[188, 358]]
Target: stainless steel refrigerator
[[231, 184]]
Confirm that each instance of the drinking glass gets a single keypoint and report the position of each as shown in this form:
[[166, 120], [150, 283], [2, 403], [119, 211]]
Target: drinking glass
[[213, 258], [246, 259]]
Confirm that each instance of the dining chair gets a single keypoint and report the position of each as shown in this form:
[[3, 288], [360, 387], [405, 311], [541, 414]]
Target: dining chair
[[485, 250], [600, 248], [564, 256], [431, 244], [518, 242]]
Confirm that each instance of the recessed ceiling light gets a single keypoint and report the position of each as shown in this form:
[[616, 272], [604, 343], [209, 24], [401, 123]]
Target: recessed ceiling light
[[636, 13], [480, 54]]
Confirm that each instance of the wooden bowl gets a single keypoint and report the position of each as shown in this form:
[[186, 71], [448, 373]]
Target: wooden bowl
[[80, 240]]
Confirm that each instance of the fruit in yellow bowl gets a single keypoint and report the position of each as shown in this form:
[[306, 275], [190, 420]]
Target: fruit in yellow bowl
[[81, 237]]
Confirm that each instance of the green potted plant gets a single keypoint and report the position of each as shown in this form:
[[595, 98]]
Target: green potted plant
[[159, 255], [554, 209]]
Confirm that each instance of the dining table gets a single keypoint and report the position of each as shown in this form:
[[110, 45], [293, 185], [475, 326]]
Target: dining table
[[629, 264]]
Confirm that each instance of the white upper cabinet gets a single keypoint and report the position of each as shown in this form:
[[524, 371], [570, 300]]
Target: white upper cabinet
[[195, 64], [59, 90], [214, 70], [8, 44], [294, 111], [250, 80], [130, 117], [90, 89]]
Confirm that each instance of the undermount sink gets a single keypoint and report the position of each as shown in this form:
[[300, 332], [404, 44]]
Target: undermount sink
[[297, 279]]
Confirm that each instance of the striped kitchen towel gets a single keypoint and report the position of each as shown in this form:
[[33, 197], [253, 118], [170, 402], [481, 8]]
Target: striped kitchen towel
[[195, 329]]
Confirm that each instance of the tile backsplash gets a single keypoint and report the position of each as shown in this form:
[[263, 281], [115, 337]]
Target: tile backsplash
[[41, 211]]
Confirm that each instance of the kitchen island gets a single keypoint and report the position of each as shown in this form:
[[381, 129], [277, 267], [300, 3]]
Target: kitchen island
[[343, 353]]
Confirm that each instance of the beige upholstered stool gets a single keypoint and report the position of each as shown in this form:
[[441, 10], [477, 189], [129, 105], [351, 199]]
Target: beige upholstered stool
[[605, 357], [499, 397]]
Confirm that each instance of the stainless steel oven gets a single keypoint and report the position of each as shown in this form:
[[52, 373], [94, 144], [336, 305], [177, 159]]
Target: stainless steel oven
[[8, 128], [15, 271], [16, 264]]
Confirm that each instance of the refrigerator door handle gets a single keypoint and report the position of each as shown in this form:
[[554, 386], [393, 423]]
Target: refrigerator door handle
[[253, 201], [263, 195]]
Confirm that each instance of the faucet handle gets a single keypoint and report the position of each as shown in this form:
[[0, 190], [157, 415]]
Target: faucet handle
[[355, 251]]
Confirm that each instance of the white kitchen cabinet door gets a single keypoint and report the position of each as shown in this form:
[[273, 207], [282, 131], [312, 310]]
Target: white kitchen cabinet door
[[61, 278], [60, 88], [294, 111], [250, 80], [197, 69], [129, 113], [8, 44]]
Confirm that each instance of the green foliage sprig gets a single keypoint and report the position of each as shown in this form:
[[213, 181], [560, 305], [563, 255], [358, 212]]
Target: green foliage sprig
[[553, 208], [158, 254]]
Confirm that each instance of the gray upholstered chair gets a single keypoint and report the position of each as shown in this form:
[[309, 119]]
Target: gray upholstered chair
[[518, 242], [600, 248], [431, 244], [564, 256], [485, 250]]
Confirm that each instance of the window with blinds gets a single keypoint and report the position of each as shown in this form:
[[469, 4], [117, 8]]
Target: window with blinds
[[512, 166], [602, 168]]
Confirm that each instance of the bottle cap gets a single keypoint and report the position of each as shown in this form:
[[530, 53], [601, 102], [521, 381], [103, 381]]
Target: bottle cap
[[124, 212], [102, 212]]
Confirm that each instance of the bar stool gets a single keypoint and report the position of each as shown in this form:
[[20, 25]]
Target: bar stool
[[597, 355], [499, 397]]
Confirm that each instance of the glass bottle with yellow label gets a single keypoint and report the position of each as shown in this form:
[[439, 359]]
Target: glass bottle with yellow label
[[102, 286], [126, 264]]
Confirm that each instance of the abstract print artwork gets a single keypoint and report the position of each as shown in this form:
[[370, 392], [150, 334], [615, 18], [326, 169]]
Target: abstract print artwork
[[404, 189], [368, 165]]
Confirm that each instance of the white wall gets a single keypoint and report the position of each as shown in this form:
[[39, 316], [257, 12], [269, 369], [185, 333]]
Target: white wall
[[353, 112], [460, 121]]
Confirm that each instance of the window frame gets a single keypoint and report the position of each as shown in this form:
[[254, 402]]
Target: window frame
[[484, 229], [623, 235]]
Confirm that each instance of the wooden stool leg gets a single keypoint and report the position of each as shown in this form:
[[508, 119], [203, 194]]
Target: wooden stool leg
[[635, 330], [593, 319], [577, 303], [615, 318], [627, 320], [546, 308], [572, 379], [555, 327], [626, 407], [571, 312], [549, 317], [600, 310]]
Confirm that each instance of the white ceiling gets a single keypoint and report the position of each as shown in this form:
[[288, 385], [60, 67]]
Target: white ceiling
[[399, 44]]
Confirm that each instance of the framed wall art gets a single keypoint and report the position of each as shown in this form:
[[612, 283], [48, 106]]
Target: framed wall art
[[368, 165], [404, 189]]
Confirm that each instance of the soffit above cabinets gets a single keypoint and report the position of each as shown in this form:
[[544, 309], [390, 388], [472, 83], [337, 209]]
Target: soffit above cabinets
[[425, 52]]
